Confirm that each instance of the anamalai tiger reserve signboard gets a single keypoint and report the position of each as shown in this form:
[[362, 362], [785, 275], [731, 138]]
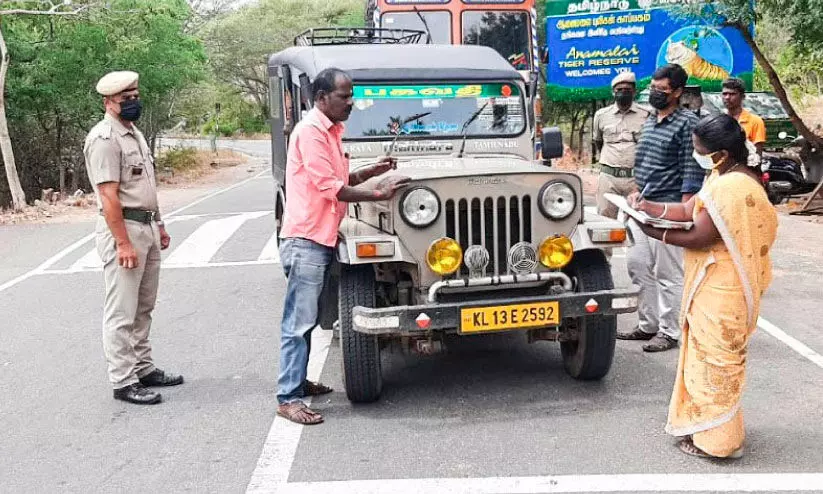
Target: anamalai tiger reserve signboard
[[590, 41]]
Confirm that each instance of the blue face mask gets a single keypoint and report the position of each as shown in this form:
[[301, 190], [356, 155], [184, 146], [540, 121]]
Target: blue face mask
[[131, 109]]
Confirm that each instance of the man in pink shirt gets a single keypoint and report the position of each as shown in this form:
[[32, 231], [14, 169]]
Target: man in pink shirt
[[318, 188]]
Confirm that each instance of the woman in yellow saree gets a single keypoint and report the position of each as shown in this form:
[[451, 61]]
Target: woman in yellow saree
[[727, 269]]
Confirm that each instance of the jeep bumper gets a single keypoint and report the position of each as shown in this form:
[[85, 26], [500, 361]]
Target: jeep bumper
[[422, 319]]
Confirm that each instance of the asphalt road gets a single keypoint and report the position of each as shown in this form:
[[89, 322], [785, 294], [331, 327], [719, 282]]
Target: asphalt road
[[490, 415]]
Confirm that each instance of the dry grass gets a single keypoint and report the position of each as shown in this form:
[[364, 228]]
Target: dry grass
[[199, 164]]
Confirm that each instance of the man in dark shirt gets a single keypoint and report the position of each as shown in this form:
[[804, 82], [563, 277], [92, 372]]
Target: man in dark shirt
[[666, 172]]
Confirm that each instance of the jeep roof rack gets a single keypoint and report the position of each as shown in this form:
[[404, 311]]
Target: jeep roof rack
[[357, 35]]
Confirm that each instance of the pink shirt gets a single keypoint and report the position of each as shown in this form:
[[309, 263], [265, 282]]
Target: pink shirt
[[316, 170]]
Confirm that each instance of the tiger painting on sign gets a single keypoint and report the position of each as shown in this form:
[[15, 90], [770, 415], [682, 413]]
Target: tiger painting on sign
[[695, 65]]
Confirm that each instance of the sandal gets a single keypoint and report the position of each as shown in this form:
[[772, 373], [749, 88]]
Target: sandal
[[315, 389], [687, 446], [299, 413]]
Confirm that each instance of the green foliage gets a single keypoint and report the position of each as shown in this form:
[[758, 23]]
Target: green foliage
[[239, 44], [55, 63], [237, 112], [177, 158]]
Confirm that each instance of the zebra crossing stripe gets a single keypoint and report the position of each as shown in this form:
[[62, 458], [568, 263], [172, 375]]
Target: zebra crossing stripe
[[270, 251], [203, 244]]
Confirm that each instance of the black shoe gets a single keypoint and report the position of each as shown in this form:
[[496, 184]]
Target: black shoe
[[634, 334], [137, 394], [159, 378], [660, 343]]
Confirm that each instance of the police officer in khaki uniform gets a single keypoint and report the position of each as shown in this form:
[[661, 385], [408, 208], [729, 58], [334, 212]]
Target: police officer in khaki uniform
[[130, 235], [616, 132]]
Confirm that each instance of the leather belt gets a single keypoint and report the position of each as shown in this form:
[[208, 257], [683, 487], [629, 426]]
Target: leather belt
[[616, 171], [141, 215]]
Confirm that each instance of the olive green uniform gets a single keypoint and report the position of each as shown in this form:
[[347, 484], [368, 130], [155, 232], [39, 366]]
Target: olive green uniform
[[116, 153]]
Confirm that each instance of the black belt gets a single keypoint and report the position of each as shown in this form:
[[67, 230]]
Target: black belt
[[616, 171], [141, 215]]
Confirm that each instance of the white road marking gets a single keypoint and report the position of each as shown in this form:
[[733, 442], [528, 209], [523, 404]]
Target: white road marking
[[687, 482], [224, 264], [270, 251], [793, 343], [48, 263], [89, 261], [79, 243], [199, 247], [274, 464]]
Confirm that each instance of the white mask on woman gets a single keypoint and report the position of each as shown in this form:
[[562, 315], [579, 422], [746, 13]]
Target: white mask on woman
[[705, 160]]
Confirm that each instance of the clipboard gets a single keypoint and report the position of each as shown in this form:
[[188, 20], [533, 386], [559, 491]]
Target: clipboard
[[643, 218]]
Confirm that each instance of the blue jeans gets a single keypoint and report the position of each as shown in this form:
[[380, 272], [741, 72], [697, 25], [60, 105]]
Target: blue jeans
[[305, 264]]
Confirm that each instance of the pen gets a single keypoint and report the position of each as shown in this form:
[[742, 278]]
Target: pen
[[643, 192]]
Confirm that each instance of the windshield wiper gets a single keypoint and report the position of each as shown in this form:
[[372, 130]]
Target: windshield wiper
[[400, 128], [425, 24], [465, 128]]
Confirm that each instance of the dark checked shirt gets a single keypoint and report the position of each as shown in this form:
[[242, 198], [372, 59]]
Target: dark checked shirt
[[664, 159]]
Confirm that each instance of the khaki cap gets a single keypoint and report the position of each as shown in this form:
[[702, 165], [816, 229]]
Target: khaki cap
[[116, 82], [624, 77]]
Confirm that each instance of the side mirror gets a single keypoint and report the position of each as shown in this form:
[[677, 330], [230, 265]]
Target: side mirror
[[544, 55], [552, 143]]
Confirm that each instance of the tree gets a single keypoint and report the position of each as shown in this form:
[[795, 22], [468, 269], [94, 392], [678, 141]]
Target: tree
[[802, 19], [39, 8], [50, 93], [239, 44]]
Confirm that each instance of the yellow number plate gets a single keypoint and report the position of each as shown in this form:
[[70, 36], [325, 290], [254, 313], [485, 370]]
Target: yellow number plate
[[482, 319]]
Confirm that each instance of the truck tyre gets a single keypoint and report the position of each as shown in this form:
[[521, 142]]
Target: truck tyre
[[590, 356], [279, 209], [328, 303], [361, 352]]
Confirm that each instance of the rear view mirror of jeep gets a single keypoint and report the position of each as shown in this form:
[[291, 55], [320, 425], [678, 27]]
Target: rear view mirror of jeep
[[552, 143]]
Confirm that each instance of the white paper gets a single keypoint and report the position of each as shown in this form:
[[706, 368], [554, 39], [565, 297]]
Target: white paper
[[644, 218]]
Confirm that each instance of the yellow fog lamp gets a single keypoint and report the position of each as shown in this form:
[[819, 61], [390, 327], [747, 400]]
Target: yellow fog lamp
[[556, 252], [444, 256]]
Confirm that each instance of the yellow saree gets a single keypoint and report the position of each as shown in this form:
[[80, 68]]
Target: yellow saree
[[723, 286]]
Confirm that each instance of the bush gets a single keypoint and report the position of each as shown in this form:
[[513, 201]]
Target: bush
[[178, 159]]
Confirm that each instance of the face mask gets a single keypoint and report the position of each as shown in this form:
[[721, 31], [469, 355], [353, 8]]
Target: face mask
[[130, 109], [705, 161], [658, 99], [623, 98]]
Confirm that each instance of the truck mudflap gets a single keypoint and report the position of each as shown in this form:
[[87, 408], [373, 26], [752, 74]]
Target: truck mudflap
[[486, 316]]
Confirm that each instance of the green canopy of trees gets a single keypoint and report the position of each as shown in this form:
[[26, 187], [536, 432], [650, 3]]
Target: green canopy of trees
[[55, 62]]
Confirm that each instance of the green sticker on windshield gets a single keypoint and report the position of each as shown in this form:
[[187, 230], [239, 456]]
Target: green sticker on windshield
[[428, 91]]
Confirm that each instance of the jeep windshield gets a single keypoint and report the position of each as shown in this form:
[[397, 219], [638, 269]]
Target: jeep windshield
[[379, 110]]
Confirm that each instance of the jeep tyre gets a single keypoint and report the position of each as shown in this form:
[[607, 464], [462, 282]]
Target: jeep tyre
[[590, 356], [361, 352]]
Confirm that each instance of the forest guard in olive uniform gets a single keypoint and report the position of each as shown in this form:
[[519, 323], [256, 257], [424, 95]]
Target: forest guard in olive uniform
[[129, 237]]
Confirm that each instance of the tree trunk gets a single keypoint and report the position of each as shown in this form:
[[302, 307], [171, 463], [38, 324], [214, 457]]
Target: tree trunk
[[581, 134], [18, 197], [779, 90]]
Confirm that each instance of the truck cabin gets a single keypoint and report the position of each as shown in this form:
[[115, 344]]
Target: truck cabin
[[393, 82]]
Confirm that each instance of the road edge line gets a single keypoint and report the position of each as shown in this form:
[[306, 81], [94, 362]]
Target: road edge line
[[790, 341], [280, 447]]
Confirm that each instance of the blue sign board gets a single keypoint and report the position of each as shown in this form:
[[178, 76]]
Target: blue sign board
[[587, 50]]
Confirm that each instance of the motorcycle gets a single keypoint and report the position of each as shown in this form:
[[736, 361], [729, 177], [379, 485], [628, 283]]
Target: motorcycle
[[792, 173]]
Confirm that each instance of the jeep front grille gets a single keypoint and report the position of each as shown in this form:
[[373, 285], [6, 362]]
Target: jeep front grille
[[496, 223]]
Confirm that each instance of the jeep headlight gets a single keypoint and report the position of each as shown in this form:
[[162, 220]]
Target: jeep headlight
[[420, 207], [444, 256], [557, 200]]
